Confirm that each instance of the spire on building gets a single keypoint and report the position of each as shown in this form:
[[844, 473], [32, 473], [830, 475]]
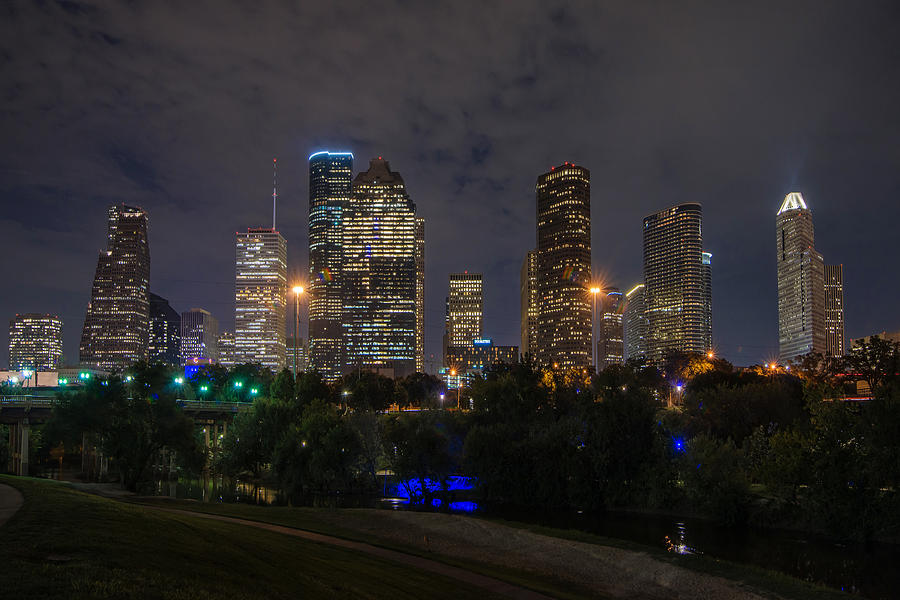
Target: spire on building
[[792, 201]]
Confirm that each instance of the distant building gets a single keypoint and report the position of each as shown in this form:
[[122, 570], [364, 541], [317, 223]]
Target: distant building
[[116, 325], [528, 305], [834, 310], [302, 353], [479, 355], [636, 325], [564, 329], [165, 332], [801, 281], [465, 309], [330, 187], [35, 342], [676, 292], [611, 335], [891, 336], [199, 335], [227, 357], [260, 298], [380, 274], [707, 299], [420, 294]]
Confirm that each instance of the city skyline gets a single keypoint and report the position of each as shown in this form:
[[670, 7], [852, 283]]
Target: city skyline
[[469, 136]]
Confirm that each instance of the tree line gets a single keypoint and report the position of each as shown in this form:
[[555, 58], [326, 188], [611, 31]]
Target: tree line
[[769, 446]]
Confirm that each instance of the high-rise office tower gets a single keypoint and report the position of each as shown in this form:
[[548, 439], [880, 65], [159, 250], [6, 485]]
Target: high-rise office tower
[[801, 281], [380, 273], [678, 313], [227, 355], [420, 294], [636, 326], [611, 334], [707, 298], [199, 335], [528, 303], [564, 329], [165, 332], [117, 322], [260, 298], [465, 307], [330, 177], [834, 310], [35, 342]]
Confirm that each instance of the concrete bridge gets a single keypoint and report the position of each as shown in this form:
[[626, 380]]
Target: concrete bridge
[[21, 411]]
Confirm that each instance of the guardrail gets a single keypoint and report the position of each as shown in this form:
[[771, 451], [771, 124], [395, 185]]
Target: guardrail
[[28, 401]]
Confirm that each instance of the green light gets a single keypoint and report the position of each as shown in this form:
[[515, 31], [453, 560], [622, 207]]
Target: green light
[[254, 391], [203, 388], [238, 384], [179, 380], [63, 381]]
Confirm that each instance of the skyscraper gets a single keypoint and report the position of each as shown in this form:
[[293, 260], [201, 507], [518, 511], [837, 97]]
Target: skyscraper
[[420, 294], [116, 325], [636, 326], [834, 310], [165, 332], [35, 342], [528, 303], [380, 273], [564, 267], [260, 298], [199, 335], [611, 336], [676, 292], [330, 176], [227, 355], [801, 281], [707, 298], [465, 307]]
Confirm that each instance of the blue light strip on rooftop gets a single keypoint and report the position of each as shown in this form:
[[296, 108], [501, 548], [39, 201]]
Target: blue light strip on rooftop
[[314, 154]]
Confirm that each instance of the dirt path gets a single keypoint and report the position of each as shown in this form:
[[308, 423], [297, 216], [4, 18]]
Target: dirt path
[[489, 583], [10, 501]]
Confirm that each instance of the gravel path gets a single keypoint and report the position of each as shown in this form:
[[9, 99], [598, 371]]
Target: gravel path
[[603, 570]]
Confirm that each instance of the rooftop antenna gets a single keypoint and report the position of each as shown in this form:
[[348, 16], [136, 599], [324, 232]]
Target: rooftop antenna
[[274, 189]]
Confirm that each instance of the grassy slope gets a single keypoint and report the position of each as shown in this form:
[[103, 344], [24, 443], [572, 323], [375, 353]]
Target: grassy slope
[[64, 543], [329, 521]]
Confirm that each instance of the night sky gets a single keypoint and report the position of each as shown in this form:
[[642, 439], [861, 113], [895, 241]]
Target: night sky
[[180, 107]]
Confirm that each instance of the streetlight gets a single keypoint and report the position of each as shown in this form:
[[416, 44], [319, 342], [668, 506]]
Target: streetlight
[[442, 402], [298, 289], [595, 291]]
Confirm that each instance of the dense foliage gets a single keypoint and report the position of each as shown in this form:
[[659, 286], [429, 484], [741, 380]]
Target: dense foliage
[[771, 445]]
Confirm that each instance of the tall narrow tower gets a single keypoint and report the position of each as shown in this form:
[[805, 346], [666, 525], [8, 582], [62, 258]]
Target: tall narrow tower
[[116, 326], [330, 176], [677, 292], [637, 330], [380, 274], [834, 310], [420, 294], [801, 281], [528, 303], [564, 267]]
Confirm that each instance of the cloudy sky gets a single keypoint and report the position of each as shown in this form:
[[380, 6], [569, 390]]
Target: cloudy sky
[[179, 107]]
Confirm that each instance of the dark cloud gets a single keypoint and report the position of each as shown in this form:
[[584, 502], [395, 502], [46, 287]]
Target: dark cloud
[[180, 109]]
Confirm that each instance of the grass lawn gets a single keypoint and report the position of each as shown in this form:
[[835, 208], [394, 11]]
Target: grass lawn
[[67, 544], [341, 524]]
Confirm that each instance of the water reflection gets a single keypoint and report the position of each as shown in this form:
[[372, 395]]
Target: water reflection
[[678, 543]]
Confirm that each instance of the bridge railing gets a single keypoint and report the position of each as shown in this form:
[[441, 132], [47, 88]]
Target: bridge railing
[[26, 401], [29, 401]]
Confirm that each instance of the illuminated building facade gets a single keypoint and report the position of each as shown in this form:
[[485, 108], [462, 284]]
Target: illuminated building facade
[[834, 310], [35, 342], [564, 329], [465, 308], [636, 328], [330, 177], [706, 261], [199, 335], [611, 332], [302, 353], [117, 322], [227, 353], [801, 281], [165, 332], [260, 298], [528, 303], [380, 274], [478, 355], [420, 294], [678, 315]]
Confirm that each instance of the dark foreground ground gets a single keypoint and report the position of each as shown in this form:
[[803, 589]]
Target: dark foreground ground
[[66, 543]]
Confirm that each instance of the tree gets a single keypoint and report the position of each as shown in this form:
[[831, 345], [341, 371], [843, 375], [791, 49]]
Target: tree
[[876, 360], [283, 387]]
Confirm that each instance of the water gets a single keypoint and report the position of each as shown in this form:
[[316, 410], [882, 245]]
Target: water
[[868, 570]]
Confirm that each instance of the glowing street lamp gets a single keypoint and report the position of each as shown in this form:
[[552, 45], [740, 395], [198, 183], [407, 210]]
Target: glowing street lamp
[[179, 380], [253, 391], [710, 355], [238, 384]]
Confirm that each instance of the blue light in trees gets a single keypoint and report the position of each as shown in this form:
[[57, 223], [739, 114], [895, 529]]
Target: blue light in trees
[[678, 445]]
